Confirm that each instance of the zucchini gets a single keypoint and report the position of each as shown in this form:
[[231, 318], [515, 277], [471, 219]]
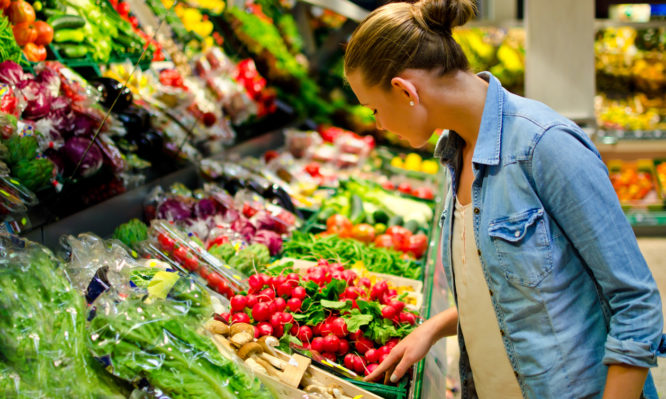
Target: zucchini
[[72, 50], [67, 21], [356, 213], [396, 221]]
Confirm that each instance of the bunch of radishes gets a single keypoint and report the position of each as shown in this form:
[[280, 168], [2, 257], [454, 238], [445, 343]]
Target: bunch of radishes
[[272, 301]]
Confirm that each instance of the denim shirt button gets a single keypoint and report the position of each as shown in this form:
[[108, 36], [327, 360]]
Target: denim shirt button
[[502, 332], [516, 234], [491, 294], [515, 373], [477, 210], [478, 251]]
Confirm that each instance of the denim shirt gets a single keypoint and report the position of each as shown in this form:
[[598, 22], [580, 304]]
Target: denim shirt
[[570, 288]]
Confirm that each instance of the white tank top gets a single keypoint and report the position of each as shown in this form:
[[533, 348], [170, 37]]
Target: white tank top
[[492, 371]]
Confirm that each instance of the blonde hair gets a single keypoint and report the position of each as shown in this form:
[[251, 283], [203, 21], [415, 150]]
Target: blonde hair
[[398, 36]]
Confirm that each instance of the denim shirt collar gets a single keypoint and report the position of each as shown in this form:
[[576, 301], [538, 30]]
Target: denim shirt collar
[[487, 149]]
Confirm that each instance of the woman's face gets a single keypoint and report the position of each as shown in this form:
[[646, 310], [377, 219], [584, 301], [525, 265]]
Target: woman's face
[[393, 111]]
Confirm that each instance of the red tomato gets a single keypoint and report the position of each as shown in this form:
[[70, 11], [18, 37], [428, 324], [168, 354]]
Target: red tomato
[[405, 187], [20, 11], [191, 263], [123, 8], [384, 241], [181, 254], [423, 192], [417, 245], [338, 224], [24, 33], [217, 282], [400, 237], [165, 241], [4, 4], [34, 53], [44, 33], [388, 185], [312, 169], [363, 232]]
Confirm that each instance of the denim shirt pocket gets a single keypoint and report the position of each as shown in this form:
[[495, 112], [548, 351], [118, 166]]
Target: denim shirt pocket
[[523, 245]]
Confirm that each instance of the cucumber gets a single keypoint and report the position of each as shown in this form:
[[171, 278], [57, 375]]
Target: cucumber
[[380, 216], [68, 21], [396, 221], [413, 226], [356, 213]]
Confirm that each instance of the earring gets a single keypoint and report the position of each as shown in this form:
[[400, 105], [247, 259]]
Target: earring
[[411, 103]]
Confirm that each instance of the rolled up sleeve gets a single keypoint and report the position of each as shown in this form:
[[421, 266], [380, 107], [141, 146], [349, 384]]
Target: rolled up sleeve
[[572, 183]]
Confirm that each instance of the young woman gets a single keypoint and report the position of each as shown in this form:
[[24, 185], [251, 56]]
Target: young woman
[[553, 298]]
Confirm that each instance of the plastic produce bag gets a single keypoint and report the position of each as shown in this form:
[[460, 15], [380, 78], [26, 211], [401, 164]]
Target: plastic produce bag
[[153, 338], [42, 323]]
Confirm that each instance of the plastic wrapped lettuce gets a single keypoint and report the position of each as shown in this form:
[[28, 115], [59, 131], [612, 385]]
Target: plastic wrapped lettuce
[[43, 351], [153, 336]]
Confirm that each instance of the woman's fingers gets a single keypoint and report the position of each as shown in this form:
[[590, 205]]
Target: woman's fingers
[[394, 356]]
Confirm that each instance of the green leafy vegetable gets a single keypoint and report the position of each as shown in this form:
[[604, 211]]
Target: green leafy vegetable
[[333, 248], [43, 351], [131, 233]]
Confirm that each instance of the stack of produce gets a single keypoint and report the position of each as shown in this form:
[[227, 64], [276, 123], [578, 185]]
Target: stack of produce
[[92, 28], [328, 311], [31, 34]]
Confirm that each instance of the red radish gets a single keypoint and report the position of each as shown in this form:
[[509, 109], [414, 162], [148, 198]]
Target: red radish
[[264, 328], [238, 303], [284, 289], [389, 312], [364, 282], [224, 317], [266, 295], [304, 334], [339, 327], [294, 304], [370, 368], [391, 343], [272, 307], [280, 304], [349, 276], [363, 344], [343, 348], [391, 293], [286, 317], [256, 282], [383, 350], [371, 356], [378, 289], [383, 357], [278, 331], [240, 318], [276, 320], [326, 328], [251, 300], [293, 279], [359, 364], [322, 262], [294, 329], [339, 267], [398, 305], [298, 292], [356, 335], [329, 356], [317, 344], [349, 361], [354, 304], [388, 185], [317, 329], [331, 343], [409, 318], [350, 293], [261, 311]]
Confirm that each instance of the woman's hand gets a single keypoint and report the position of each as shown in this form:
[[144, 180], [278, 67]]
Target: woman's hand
[[416, 345]]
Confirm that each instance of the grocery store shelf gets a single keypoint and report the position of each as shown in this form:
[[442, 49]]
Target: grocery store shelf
[[648, 223], [627, 149], [608, 23], [342, 7]]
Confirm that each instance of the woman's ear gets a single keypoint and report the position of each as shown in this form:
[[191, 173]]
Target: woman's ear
[[406, 89]]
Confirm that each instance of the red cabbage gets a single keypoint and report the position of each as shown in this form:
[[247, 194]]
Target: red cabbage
[[174, 210], [74, 149], [204, 208], [49, 79], [270, 239], [231, 215], [38, 99], [12, 73], [84, 124], [244, 227], [266, 221]]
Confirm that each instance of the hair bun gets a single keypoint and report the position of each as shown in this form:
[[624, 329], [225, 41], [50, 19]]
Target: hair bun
[[441, 16]]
